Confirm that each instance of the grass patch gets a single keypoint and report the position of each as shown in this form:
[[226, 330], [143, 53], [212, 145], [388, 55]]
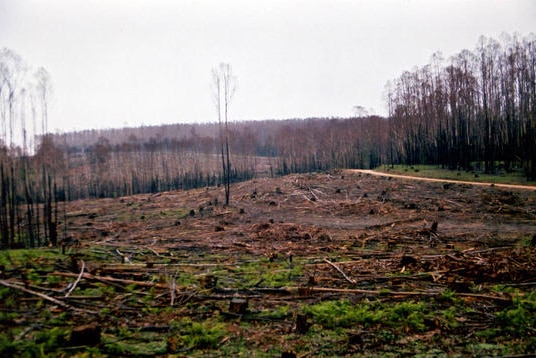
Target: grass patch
[[403, 316], [17, 258], [433, 171], [137, 345], [263, 273], [190, 335]]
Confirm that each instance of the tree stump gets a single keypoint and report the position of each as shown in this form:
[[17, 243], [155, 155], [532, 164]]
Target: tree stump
[[208, 281], [288, 354], [86, 335], [238, 305], [302, 326]]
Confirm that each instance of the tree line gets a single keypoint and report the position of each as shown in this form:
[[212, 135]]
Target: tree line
[[474, 110], [112, 166], [29, 198]]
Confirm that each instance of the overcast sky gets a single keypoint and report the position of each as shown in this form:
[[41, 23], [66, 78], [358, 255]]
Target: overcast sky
[[117, 63]]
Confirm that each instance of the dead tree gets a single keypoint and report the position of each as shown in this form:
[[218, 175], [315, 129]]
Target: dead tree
[[224, 86]]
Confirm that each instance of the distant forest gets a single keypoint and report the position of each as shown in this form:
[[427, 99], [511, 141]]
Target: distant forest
[[473, 111], [119, 162]]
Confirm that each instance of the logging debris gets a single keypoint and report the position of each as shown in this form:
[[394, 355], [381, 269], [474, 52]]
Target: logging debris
[[283, 244]]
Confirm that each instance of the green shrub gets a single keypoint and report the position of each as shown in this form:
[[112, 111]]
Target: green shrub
[[199, 335], [342, 314]]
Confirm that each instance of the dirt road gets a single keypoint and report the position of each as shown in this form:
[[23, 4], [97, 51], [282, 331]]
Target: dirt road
[[508, 186]]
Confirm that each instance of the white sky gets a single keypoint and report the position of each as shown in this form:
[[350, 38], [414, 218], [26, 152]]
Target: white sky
[[120, 63]]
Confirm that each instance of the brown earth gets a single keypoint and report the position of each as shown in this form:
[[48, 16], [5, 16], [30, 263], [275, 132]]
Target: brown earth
[[312, 213], [358, 236]]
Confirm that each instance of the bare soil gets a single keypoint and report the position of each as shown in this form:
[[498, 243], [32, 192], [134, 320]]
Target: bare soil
[[356, 237]]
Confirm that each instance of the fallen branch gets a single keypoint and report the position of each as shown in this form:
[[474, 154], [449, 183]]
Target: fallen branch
[[143, 266], [113, 280], [153, 251], [287, 291], [82, 298], [43, 296], [395, 293], [520, 284], [173, 288], [77, 280], [26, 331], [340, 271], [486, 297], [124, 257]]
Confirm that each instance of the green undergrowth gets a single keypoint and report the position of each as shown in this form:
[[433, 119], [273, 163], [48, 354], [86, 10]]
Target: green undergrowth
[[137, 320], [402, 316], [27, 257], [418, 325], [263, 273]]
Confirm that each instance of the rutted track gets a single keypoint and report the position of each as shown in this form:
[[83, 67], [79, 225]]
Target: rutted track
[[499, 185]]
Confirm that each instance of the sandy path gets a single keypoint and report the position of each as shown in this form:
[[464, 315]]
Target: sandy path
[[508, 186]]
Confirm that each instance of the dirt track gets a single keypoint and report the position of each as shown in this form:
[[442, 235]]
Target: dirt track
[[508, 186]]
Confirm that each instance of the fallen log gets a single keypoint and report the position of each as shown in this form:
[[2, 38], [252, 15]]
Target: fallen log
[[341, 272], [45, 297], [112, 280], [394, 293]]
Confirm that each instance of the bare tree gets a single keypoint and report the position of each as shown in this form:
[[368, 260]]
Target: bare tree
[[43, 89], [11, 72], [360, 111], [224, 86]]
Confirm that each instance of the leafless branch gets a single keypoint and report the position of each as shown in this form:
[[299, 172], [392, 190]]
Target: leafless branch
[[77, 280]]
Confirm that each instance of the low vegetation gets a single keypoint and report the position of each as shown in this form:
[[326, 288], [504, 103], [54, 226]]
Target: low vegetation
[[474, 175], [326, 264]]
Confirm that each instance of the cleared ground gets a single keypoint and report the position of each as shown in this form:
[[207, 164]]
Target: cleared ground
[[325, 264]]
